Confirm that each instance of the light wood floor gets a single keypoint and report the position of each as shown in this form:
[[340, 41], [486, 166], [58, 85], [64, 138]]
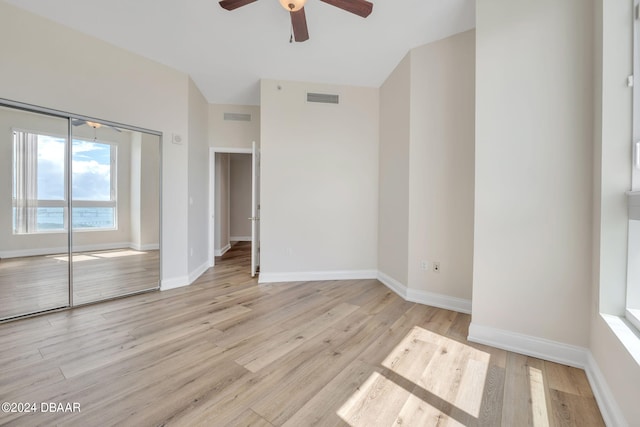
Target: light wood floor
[[228, 352], [38, 283]]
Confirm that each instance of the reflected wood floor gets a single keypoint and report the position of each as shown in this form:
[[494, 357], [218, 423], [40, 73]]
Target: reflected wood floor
[[226, 351], [38, 283]]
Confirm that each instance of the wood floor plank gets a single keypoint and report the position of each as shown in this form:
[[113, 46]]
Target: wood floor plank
[[516, 408], [289, 340], [227, 351]]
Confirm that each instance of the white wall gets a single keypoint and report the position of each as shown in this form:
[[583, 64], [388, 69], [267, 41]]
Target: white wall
[[198, 221], [221, 195], [441, 166], [48, 66], [319, 186], [240, 197], [533, 177], [393, 204], [233, 134]]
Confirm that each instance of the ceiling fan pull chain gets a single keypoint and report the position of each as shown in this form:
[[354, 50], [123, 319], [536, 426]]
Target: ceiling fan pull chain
[[291, 36]]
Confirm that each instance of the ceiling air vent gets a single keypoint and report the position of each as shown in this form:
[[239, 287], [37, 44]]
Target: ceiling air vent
[[323, 98], [237, 117]]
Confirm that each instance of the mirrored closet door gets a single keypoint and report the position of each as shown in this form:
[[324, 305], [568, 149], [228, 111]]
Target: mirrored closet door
[[116, 194], [34, 243], [79, 190]]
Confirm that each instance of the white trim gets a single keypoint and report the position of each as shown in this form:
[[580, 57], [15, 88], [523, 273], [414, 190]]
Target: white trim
[[232, 150], [240, 238], [439, 300], [425, 297], [212, 205], [80, 248], [529, 345], [311, 276], [145, 247], [195, 274], [393, 284], [220, 252], [174, 282], [608, 406]]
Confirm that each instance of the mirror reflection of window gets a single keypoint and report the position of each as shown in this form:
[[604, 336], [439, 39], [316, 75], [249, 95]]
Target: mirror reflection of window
[[101, 192]]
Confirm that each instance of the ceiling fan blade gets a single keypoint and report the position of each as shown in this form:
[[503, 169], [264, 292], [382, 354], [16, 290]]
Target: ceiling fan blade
[[77, 122], [359, 7], [299, 24], [234, 4]]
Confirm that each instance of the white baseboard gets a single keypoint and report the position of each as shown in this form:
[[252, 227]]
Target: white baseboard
[[145, 247], [311, 276], [77, 248], [566, 354], [220, 252], [193, 276], [608, 406], [425, 297], [240, 238], [541, 348], [174, 282]]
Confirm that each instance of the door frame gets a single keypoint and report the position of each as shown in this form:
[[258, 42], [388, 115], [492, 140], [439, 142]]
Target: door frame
[[212, 193]]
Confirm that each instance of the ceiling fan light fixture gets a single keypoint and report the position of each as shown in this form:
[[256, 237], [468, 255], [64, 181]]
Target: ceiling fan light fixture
[[94, 124], [293, 5]]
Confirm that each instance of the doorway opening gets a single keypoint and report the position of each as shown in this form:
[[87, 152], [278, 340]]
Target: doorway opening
[[234, 194]]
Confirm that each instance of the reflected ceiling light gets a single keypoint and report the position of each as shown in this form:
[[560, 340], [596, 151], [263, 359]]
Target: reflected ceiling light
[[293, 5], [94, 124]]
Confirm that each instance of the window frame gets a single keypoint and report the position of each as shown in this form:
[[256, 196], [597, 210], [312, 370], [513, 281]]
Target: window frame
[[68, 202], [632, 295]]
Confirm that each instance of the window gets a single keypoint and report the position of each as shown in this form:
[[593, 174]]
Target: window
[[633, 256], [40, 174]]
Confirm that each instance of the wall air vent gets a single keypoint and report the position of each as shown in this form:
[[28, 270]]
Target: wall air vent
[[323, 98], [237, 117]]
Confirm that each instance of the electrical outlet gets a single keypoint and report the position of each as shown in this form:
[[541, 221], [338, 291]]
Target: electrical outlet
[[436, 266], [424, 265]]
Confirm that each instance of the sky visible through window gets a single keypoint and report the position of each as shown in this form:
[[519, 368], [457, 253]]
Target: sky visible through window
[[90, 166], [91, 181]]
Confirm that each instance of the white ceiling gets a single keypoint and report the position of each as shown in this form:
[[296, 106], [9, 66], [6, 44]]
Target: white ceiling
[[226, 53]]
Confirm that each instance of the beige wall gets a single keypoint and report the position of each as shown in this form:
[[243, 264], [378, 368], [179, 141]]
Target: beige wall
[[43, 66], [441, 166], [198, 223], [150, 191], [145, 187], [233, 134], [393, 204], [427, 169], [240, 197], [319, 182], [534, 113]]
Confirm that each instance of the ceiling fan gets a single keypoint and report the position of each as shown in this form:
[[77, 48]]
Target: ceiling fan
[[94, 125], [296, 8]]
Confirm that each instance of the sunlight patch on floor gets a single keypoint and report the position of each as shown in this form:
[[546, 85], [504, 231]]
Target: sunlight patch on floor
[[98, 255], [76, 258], [118, 254], [426, 379], [538, 400]]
